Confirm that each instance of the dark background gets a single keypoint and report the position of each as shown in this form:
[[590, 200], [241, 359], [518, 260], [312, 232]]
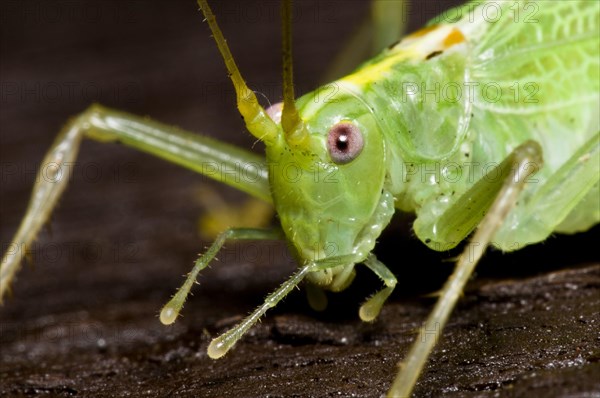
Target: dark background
[[83, 319]]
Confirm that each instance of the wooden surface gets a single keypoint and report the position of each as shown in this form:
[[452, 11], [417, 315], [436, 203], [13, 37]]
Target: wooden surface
[[83, 318]]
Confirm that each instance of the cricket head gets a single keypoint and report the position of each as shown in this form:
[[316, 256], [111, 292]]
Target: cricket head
[[326, 159], [327, 176]]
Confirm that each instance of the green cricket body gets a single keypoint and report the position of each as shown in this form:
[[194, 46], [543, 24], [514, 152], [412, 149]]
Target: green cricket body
[[437, 112], [432, 125]]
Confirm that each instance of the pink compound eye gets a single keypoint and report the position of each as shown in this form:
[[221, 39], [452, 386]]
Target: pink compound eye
[[344, 142]]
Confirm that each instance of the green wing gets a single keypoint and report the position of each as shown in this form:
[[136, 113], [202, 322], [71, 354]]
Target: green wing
[[550, 47], [537, 65]]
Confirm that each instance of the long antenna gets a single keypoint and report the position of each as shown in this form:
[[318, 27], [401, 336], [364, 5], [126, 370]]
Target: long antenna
[[293, 126], [257, 121]]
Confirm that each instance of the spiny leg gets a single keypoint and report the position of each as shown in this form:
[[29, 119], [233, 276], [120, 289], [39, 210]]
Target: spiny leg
[[411, 367], [371, 308], [46, 192], [171, 310], [217, 160], [221, 345]]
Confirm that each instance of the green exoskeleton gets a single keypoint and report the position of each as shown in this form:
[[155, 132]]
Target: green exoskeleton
[[487, 120]]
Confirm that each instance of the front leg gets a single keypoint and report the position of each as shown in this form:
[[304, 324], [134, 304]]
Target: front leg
[[171, 310], [220, 161], [222, 344]]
